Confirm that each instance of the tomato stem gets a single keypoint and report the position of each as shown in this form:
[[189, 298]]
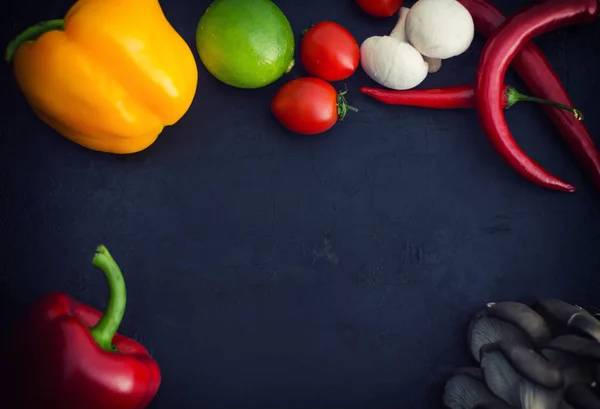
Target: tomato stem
[[306, 30], [342, 105]]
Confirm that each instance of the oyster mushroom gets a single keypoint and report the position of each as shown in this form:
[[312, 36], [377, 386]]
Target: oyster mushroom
[[485, 330], [507, 320], [574, 345], [465, 390], [576, 357], [574, 369], [582, 396], [595, 311], [567, 317], [520, 376], [471, 371], [565, 405], [497, 404], [523, 317]]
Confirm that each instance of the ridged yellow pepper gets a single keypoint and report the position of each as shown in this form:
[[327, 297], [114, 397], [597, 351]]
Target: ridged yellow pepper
[[110, 76]]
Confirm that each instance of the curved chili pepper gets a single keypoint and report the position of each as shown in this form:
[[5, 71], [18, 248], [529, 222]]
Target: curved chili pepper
[[460, 96], [537, 74], [497, 55]]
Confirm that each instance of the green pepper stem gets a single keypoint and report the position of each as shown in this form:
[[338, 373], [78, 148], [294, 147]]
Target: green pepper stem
[[342, 105], [108, 325], [513, 96], [31, 34]]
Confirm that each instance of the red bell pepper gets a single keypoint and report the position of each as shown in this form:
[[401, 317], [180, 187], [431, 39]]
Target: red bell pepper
[[67, 355], [498, 53]]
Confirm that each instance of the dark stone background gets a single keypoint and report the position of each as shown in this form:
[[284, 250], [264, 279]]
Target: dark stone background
[[266, 270]]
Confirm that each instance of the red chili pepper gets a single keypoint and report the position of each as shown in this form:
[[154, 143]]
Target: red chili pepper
[[498, 53], [460, 96], [537, 73], [66, 355]]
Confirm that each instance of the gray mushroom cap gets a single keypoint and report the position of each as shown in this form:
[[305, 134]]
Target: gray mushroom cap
[[498, 404], [565, 405], [510, 321], [574, 345], [559, 358], [527, 363], [485, 330], [520, 376], [574, 369], [524, 318], [593, 310], [582, 396], [567, 317], [465, 390], [471, 371]]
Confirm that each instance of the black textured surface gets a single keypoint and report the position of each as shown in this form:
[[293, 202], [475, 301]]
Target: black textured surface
[[266, 270]]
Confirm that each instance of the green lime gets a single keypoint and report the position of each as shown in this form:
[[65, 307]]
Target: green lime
[[245, 43]]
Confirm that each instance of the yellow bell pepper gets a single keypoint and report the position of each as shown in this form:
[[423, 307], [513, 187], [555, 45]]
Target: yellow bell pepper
[[110, 76]]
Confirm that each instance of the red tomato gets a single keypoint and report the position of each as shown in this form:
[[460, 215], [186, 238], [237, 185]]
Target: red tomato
[[380, 8], [306, 106], [328, 51]]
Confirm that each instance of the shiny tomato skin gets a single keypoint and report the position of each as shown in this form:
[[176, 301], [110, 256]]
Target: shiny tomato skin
[[380, 8], [307, 106], [329, 51]]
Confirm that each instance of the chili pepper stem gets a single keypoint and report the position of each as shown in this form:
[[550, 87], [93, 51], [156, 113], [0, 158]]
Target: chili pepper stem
[[106, 328], [31, 34], [513, 96], [342, 105]]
